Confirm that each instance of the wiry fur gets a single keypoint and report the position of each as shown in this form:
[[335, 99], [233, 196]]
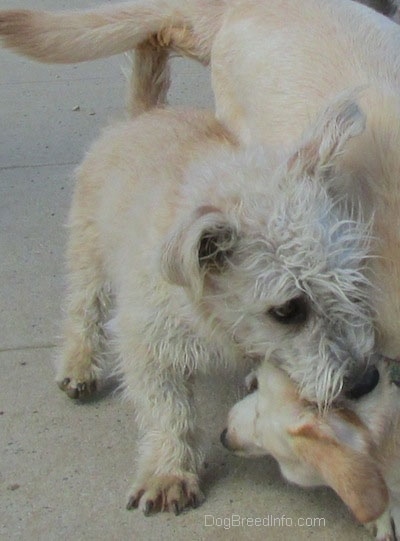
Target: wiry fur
[[353, 448], [194, 240]]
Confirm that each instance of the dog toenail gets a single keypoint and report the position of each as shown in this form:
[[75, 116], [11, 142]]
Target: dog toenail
[[148, 508], [176, 509]]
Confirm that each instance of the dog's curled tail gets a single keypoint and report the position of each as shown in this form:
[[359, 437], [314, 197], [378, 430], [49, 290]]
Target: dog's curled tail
[[186, 26]]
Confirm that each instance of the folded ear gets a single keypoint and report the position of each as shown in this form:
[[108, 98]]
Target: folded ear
[[199, 246], [341, 453], [323, 143]]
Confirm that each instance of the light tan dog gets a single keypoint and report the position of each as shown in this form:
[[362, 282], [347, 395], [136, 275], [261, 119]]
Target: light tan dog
[[188, 27], [204, 253], [213, 253], [354, 448], [274, 65]]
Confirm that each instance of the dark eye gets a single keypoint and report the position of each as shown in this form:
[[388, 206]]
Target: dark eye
[[292, 312]]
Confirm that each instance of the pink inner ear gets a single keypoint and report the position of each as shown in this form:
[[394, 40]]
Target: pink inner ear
[[353, 474]]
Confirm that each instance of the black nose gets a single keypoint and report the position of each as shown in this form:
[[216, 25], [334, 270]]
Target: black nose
[[222, 438], [364, 385]]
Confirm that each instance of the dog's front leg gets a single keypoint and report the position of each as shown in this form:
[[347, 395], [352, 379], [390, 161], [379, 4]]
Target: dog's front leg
[[158, 381], [169, 455]]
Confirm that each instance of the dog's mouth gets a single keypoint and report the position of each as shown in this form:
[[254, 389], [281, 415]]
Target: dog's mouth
[[365, 385]]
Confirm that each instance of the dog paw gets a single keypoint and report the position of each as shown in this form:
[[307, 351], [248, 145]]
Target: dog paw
[[166, 493], [78, 389], [78, 378], [383, 529]]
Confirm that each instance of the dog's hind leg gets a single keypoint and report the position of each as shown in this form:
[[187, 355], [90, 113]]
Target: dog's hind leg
[[80, 361]]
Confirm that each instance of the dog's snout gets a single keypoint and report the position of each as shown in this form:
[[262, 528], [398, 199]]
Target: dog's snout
[[364, 384]]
